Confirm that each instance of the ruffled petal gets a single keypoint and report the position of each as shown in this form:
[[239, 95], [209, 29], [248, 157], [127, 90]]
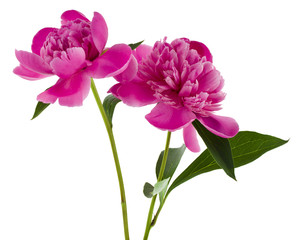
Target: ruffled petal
[[129, 73], [25, 73], [210, 81], [70, 92], [142, 51], [33, 62], [169, 118], [39, 39], [71, 15], [190, 138], [113, 62], [135, 94], [99, 31], [225, 127], [69, 62], [202, 49]]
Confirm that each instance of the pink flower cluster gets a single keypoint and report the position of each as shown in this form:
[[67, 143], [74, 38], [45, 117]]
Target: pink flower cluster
[[75, 53], [179, 77], [182, 80]]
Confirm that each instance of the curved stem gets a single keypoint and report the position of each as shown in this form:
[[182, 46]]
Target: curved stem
[[149, 224], [116, 160]]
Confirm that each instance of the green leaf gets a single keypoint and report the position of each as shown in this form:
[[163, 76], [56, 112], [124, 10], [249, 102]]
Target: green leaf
[[173, 159], [135, 45], [246, 147], [219, 148], [39, 109], [150, 191], [109, 105]]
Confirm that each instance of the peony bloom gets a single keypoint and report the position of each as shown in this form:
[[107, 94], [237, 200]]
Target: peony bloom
[[182, 80], [75, 53]]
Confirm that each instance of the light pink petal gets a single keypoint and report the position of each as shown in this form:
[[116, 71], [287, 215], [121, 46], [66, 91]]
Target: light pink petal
[[70, 92], [190, 138], [69, 63], [210, 81], [71, 15], [27, 74], [201, 49], [142, 51], [129, 73], [135, 94], [225, 127], [169, 118], [113, 62], [39, 39], [33, 62], [99, 31]]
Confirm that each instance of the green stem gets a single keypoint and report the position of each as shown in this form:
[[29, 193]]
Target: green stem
[[149, 224], [117, 164]]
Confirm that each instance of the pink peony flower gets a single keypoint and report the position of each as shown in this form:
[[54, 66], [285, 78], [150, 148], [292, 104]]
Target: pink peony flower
[[182, 80], [75, 53]]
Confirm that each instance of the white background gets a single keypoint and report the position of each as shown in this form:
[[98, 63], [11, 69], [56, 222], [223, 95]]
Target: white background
[[57, 177]]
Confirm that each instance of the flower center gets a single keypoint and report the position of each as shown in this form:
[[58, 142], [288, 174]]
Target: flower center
[[180, 77], [75, 33]]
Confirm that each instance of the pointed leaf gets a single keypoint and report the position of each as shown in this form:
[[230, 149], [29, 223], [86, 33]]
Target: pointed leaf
[[246, 147], [218, 147], [109, 105], [135, 45], [173, 159], [39, 109]]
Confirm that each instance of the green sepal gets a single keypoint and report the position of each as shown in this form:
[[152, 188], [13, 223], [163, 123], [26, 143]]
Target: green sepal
[[135, 45], [39, 109]]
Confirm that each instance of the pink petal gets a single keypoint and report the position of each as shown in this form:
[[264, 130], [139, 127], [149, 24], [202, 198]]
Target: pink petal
[[39, 39], [69, 63], [27, 74], [201, 49], [71, 15], [190, 138], [225, 127], [99, 31], [129, 73], [70, 92], [142, 51], [113, 62], [169, 118], [210, 81], [33, 62], [136, 94]]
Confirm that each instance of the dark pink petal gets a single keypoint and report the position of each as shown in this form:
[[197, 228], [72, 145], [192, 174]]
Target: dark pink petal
[[99, 31], [190, 138], [142, 51], [33, 62], [225, 127], [129, 73], [70, 92], [201, 49], [69, 62], [39, 39], [135, 94], [169, 118], [71, 15], [27, 74], [113, 62]]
